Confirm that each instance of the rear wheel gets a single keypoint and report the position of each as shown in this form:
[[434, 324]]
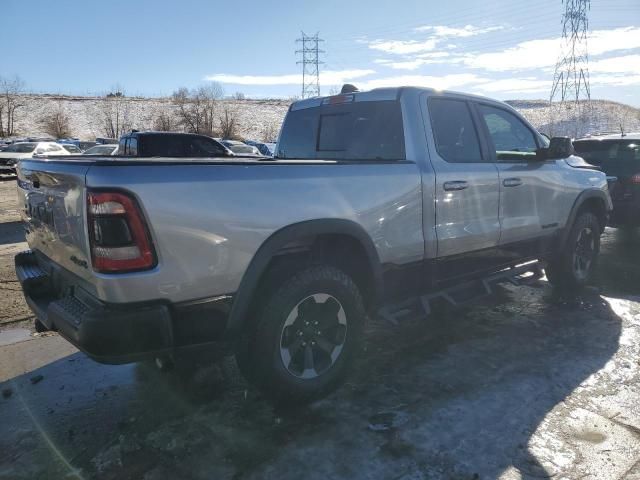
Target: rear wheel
[[304, 336], [573, 267]]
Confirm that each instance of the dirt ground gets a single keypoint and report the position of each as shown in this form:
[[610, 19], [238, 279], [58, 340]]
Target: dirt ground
[[525, 384]]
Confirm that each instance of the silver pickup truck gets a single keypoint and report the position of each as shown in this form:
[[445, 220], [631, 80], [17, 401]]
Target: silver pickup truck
[[374, 201]]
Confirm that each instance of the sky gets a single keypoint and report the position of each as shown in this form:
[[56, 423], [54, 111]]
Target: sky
[[506, 49]]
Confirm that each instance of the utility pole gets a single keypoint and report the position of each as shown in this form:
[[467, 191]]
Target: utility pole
[[571, 91], [310, 64]]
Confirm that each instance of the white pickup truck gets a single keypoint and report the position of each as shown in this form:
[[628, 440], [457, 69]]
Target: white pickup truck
[[375, 201]]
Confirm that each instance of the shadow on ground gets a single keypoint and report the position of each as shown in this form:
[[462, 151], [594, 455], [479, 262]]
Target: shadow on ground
[[462, 395], [11, 232]]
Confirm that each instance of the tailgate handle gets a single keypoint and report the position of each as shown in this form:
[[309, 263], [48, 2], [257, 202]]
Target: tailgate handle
[[455, 185]]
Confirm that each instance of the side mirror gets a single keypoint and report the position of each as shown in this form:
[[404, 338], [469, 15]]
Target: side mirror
[[542, 154], [560, 147]]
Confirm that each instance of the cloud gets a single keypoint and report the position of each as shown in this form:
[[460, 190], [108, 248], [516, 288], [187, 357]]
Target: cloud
[[404, 47], [604, 41], [543, 53], [328, 77], [623, 64], [415, 62], [615, 80], [519, 85], [437, 34], [440, 82], [466, 31]]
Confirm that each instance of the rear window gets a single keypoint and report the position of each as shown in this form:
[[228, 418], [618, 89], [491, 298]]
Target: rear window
[[21, 148], [614, 156], [356, 131]]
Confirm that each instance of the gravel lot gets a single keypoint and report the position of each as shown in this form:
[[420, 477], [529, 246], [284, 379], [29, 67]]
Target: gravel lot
[[525, 384]]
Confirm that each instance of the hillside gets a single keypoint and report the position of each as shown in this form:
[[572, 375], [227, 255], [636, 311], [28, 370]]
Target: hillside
[[86, 114], [255, 117]]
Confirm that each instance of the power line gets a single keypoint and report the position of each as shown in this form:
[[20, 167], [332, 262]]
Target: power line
[[310, 64], [571, 90]]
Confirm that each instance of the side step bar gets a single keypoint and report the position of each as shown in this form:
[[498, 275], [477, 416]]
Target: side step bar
[[463, 293]]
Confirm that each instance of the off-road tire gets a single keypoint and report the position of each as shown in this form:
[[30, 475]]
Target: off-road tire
[[259, 357], [562, 270]]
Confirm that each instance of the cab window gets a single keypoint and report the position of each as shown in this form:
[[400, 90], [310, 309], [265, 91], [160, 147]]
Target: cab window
[[132, 147], [453, 131], [512, 139]]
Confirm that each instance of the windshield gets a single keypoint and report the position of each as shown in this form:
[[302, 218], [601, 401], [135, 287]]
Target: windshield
[[21, 147], [353, 131], [71, 148]]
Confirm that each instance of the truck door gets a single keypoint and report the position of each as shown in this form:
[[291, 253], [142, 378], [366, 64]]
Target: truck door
[[530, 190], [467, 188]]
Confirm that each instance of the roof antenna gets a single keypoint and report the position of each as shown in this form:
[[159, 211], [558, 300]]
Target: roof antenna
[[348, 88]]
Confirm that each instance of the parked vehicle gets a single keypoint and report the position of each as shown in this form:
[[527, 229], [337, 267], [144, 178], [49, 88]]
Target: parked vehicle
[[266, 149], [165, 144], [376, 203], [84, 146], [15, 152], [71, 148], [102, 150], [240, 148], [617, 156], [105, 141]]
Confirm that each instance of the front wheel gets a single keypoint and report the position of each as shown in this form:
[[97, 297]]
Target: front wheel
[[574, 265], [304, 335]]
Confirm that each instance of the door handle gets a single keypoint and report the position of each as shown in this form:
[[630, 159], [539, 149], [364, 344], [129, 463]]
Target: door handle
[[455, 185], [512, 182]]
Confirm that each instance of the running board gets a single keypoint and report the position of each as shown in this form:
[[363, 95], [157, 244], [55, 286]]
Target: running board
[[462, 294]]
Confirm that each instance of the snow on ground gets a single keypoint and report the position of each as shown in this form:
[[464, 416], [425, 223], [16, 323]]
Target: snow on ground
[[255, 116]]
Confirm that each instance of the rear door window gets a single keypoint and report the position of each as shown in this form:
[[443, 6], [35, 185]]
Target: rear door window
[[356, 131], [453, 131]]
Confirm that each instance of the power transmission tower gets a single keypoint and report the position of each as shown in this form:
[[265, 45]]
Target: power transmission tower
[[310, 64], [571, 93]]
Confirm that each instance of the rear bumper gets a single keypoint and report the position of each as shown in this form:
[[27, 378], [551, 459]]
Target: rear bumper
[[117, 333]]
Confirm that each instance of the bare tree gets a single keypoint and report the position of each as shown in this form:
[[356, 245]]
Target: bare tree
[[115, 114], [622, 117], [165, 121], [11, 99], [228, 125], [239, 96], [270, 132], [196, 108], [56, 123]]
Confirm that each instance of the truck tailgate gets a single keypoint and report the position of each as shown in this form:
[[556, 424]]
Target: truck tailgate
[[52, 200]]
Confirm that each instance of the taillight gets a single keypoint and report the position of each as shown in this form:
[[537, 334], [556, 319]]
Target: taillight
[[636, 179], [119, 239]]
